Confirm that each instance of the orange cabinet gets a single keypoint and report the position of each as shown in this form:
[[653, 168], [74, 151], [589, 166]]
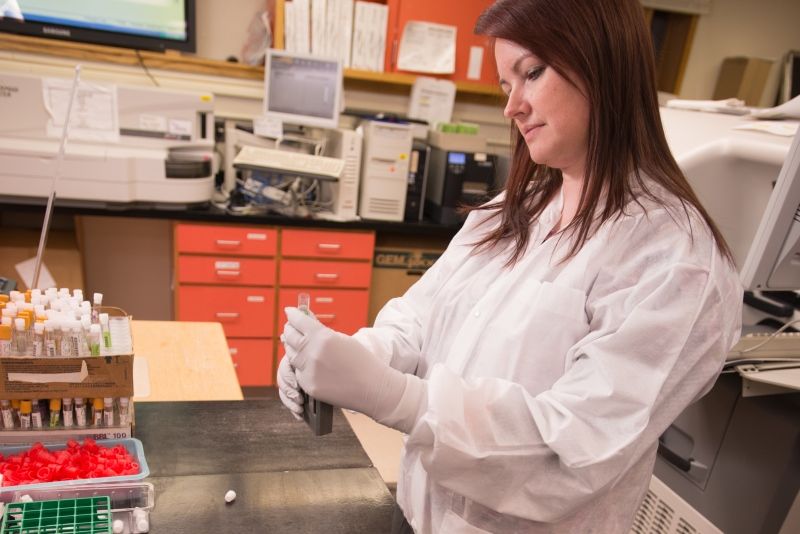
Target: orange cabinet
[[243, 278], [235, 240], [252, 368], [242, 311], [226, 270], [327, 244], [344, 310], [310, 273], [227, 274]]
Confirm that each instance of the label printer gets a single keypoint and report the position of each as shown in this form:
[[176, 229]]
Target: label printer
[[460, 172]]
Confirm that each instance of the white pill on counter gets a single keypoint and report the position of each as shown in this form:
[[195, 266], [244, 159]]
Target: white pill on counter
[[230, 496], [118, 526]]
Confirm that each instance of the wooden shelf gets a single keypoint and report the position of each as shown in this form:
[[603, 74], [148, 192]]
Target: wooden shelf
[[184, 63]]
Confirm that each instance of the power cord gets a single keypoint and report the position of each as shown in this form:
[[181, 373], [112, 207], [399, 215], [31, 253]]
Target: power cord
[[146, 70]]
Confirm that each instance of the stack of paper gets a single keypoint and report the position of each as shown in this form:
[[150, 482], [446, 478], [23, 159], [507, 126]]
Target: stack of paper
[[297, 30], [369, 36]]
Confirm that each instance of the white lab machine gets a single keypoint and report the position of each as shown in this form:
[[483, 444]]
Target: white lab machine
[[345, 145], [127, 144], [384, 170], [299, 134], [729, 462]]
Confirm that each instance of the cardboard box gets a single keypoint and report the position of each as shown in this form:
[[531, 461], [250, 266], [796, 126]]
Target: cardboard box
[[394, 270], [28, 378], [744, 78]]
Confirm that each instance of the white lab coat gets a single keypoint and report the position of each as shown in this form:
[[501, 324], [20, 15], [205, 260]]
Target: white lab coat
[[549, 383]]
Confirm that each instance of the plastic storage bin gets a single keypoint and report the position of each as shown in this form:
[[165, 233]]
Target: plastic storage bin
[[133, 446]]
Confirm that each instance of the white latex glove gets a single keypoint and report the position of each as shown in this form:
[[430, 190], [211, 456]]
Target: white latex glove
[[337, 369], [288, 389]]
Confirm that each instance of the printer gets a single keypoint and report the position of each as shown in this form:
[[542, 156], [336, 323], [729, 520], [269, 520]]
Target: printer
[[126, 144], [460, 172]]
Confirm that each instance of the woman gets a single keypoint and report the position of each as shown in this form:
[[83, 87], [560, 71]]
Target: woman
[[571, 319]]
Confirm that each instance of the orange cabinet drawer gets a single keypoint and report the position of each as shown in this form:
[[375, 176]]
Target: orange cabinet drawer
[[326, 244], [242, 311], [325, 273], [252, 359], [226, 240], [344, 310], [222, 270]]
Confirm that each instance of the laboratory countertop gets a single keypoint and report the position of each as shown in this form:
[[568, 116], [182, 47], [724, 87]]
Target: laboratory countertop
[[286, 480], [212, 214]]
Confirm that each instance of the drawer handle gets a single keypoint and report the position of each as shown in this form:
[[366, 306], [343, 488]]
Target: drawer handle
[[324, 300], [233, 350], [327, 276], [227, 315], [329, 246], [228, 274], [228, 242], [326, 317]]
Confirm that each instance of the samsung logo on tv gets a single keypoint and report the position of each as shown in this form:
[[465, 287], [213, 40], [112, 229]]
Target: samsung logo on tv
[[61, 32]]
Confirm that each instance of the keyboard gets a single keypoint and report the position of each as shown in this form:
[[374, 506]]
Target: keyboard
[[785, 345], [258, 158]]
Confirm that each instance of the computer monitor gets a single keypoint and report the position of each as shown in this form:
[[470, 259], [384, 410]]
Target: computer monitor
[[773, 260], [149, 25], [302, 90]]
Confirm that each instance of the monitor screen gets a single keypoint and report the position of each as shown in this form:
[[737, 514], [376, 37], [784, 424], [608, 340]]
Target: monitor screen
[[145, 24], [302, 90], [773, 261]]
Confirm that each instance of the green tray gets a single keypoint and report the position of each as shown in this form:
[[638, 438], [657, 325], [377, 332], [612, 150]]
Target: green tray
[[90, 515]]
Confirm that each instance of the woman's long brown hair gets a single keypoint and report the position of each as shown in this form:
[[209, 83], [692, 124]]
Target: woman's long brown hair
[[604, 45]]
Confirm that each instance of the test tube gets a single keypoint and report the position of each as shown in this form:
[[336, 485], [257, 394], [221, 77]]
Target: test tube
[[105, 331], [50, 339], [36, 414], [20, 337], [304, 303], [108, 411], [80, 411], [8, 415], [38, 340], [97, 411], [97, 301], [94, 339], [55, 413], [5, 340], [66, 410], [25, 414], [124, 411]]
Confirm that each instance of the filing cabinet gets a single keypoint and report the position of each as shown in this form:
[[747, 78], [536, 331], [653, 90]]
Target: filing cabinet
[[227, 274], [243, 278]]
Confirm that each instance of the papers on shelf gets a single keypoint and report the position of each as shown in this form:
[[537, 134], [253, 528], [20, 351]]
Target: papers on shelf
[[432, 100], [427, 47], [733, 106], [369, 36]]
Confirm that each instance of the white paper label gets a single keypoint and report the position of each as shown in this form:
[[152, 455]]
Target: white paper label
[[268, 127], [180, 127], [153, 123], [475, 63]]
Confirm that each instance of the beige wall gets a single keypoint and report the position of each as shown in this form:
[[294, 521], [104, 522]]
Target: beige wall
[[222, 26], [758, 28]]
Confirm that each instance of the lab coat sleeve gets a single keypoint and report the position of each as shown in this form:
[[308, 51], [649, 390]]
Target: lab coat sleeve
[[396, 336], [659, 333]]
